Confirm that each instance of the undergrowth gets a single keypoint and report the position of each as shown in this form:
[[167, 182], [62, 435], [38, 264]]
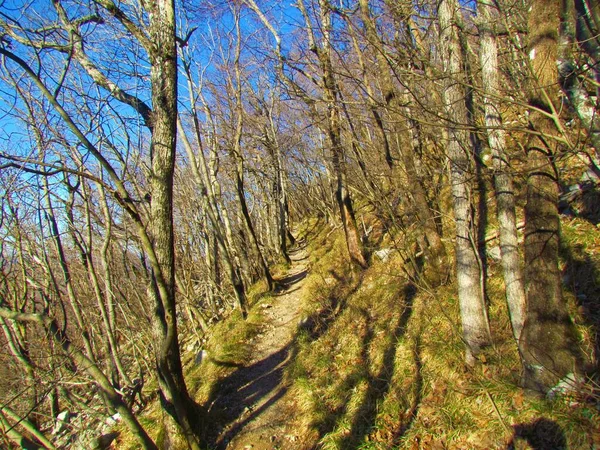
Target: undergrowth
[[385, 369], [379, 362]]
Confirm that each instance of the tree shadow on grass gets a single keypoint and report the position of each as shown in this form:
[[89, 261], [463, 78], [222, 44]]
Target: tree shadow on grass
[[411, 416], [380, 383], [581, 276], [541, 434], [231, 404], [317, 324]]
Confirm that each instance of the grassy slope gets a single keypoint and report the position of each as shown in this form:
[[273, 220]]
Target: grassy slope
[[378, 363], [386, 371]]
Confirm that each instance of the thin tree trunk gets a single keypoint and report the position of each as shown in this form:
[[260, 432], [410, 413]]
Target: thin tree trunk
[[505, 193], [182, 413], [279, 188], [109, 295], [17, 438], [66, 273], [475, 324], [113, 358], [333, 127], [588, 35], [239, 159], [22, 355]]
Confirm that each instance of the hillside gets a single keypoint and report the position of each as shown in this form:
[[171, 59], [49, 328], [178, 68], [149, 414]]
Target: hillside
[[342, 359], [323, 224]]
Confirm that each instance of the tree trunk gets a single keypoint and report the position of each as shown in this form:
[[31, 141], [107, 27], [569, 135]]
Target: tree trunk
[[475, 324], [109, 295], [239, 159], [330, 94], [547, 342], [433, 246], [503, 182], [179, 406]]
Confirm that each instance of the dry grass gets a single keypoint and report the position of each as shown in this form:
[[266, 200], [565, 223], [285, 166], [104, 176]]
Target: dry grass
[[379, 364], [387, 370]]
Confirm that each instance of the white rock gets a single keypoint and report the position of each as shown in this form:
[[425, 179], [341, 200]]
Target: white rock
[[201, 356], [564, 386], [383, 254], [114, 419], [61, 422]]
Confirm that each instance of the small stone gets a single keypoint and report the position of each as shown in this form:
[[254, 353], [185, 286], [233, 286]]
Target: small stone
[[114, 419], [61, 422], [383, 254], [201, 356]]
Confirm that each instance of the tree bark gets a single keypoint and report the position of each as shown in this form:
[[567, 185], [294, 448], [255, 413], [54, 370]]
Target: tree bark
[[473, 312], [503, 180], [175, 399], [548, 341]]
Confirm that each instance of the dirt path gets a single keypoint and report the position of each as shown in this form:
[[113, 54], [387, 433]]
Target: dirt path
[[253, 401]]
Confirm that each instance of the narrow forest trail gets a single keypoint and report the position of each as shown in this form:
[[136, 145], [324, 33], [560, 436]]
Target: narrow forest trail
[[253, 402]]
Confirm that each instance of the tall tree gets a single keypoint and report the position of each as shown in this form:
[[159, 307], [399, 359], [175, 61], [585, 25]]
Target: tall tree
[[548, 342], [473, 312], [155, 234], [174, 396], [503, 181]]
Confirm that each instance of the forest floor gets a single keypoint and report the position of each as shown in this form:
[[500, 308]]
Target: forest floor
[[342, 359], [254, 405]]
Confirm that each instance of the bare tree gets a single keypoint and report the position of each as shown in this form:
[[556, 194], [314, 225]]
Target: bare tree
[[547, 341], [475, 324], [505, 191]]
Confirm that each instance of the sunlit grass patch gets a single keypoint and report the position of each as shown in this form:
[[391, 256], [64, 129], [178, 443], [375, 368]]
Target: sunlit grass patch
[[229, 347], [377, 378]]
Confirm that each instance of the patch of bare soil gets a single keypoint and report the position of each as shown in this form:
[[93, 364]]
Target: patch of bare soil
[[253, 405]]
